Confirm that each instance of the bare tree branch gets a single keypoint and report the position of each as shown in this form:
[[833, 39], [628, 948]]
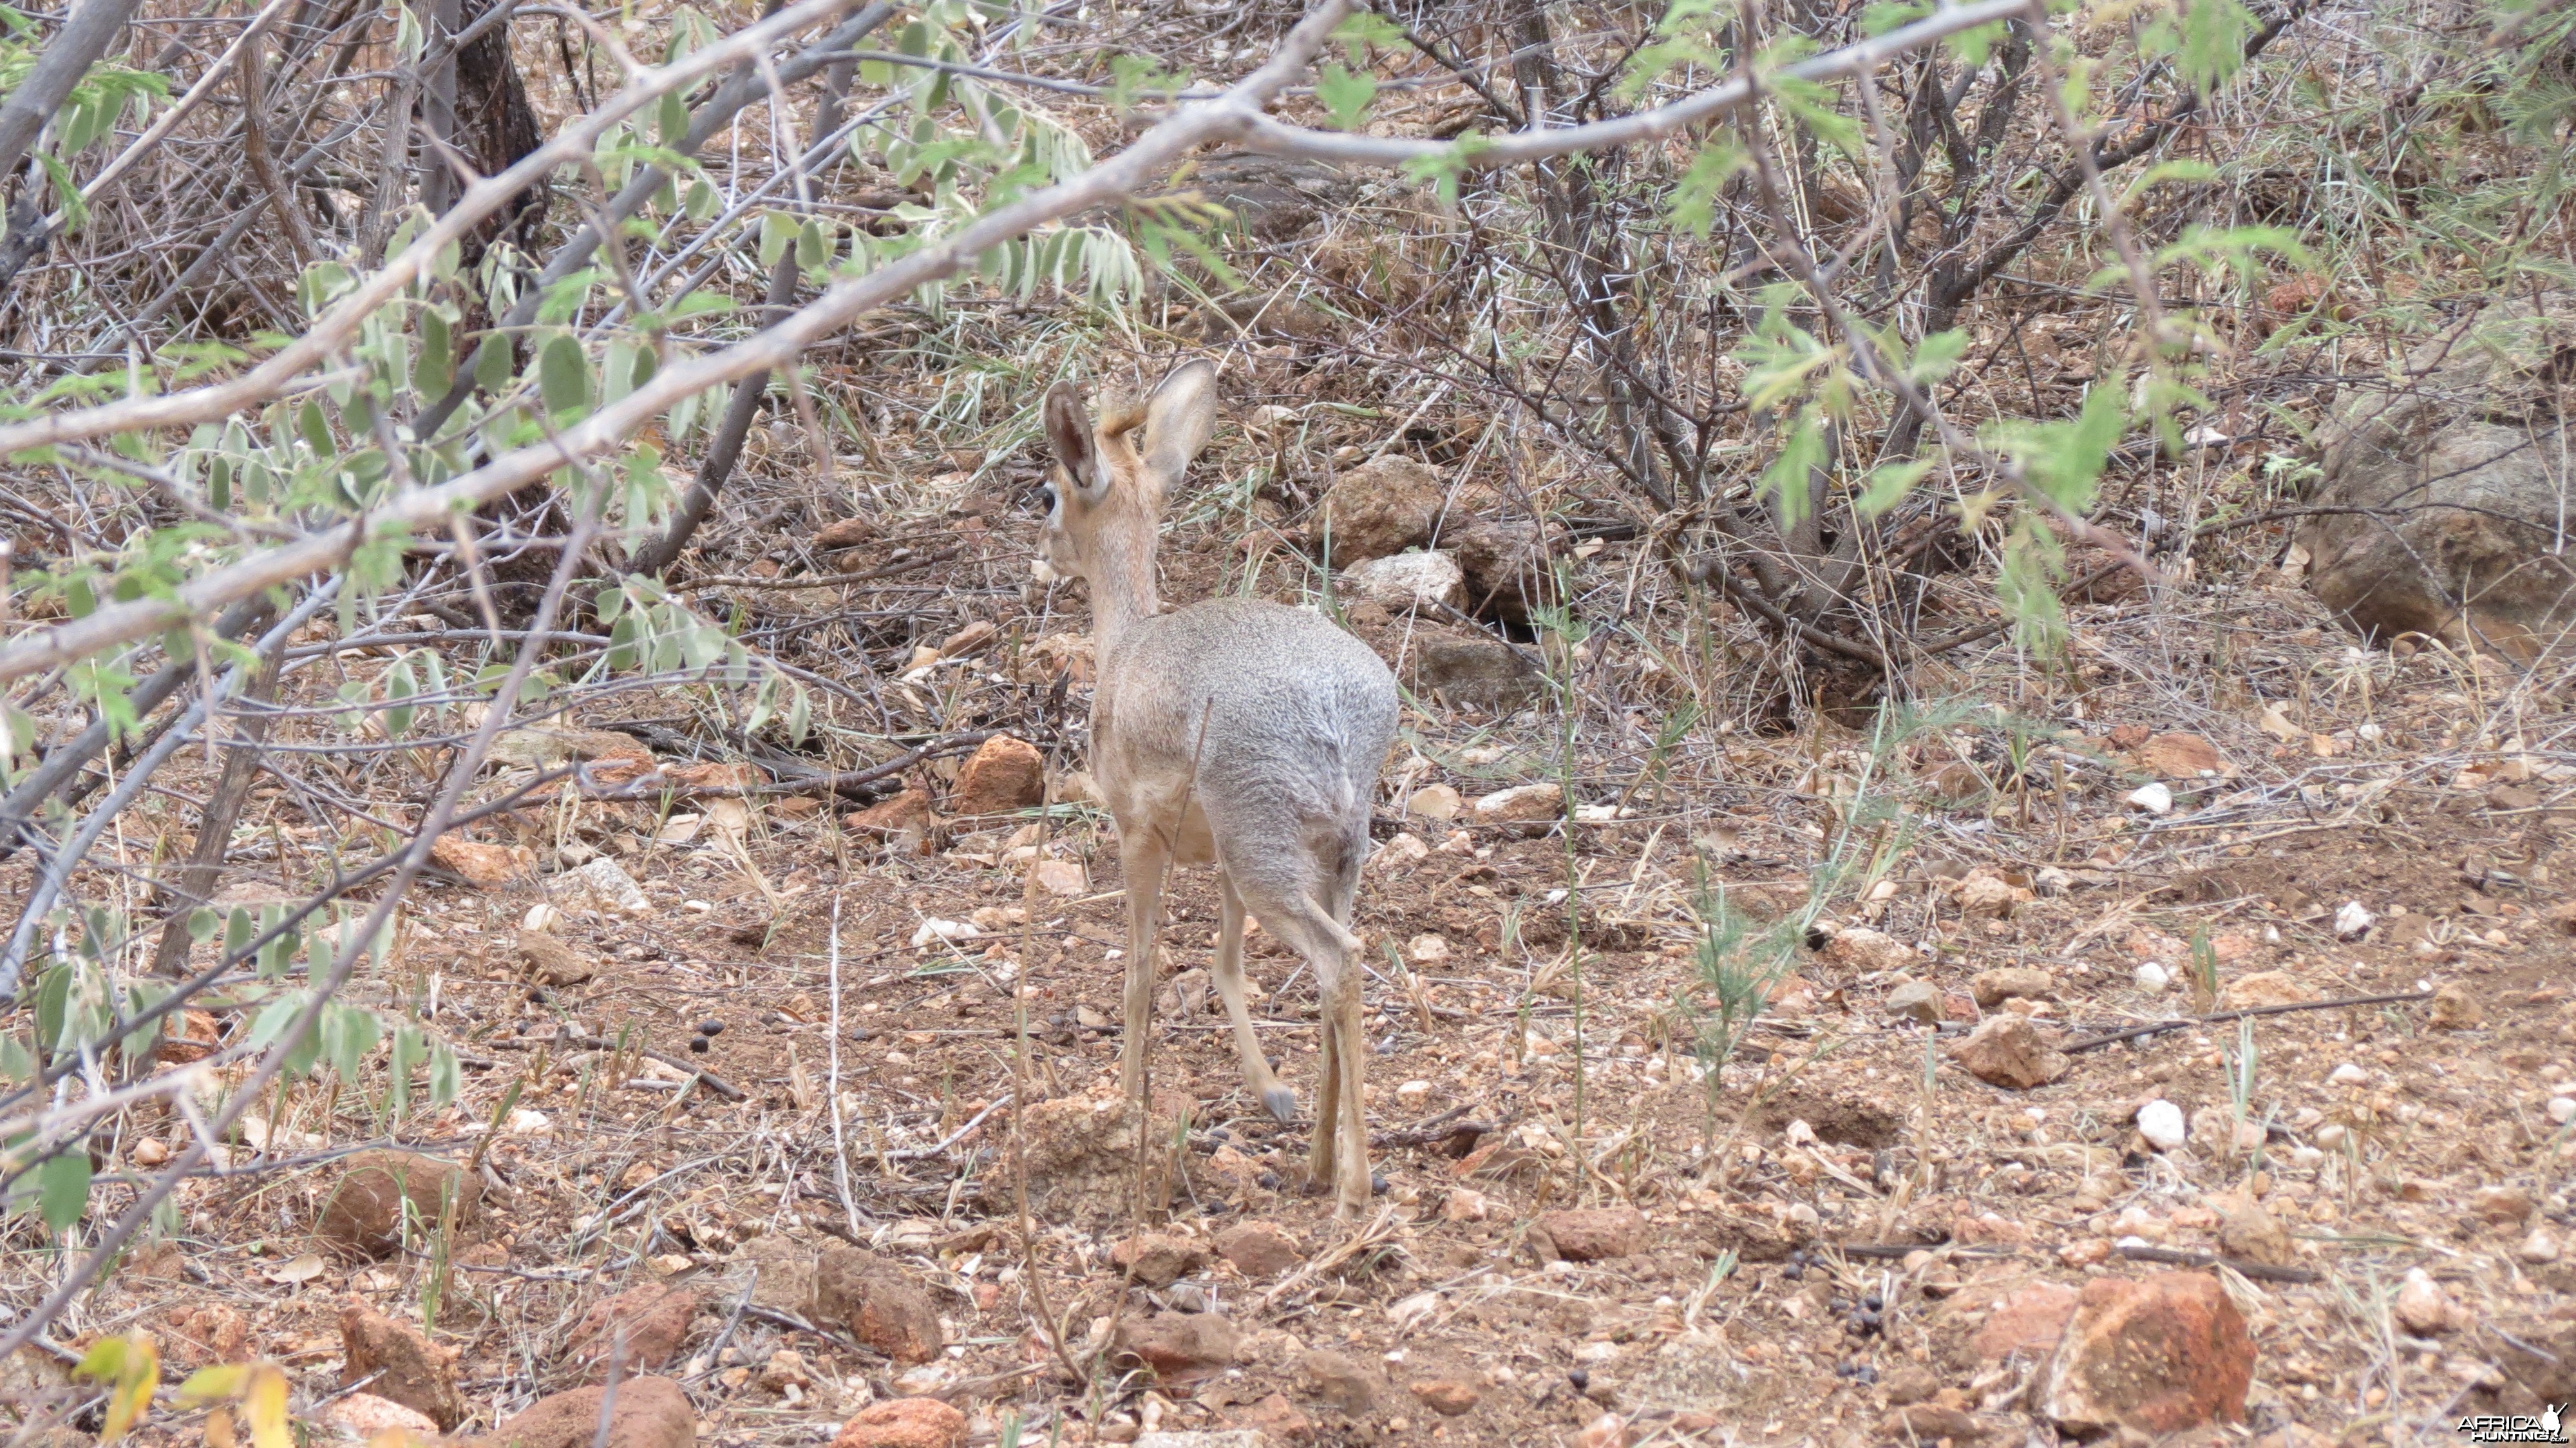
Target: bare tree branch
[[90, 33]]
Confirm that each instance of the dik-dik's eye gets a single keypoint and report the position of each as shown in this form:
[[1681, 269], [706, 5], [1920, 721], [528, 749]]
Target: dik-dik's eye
[[1046, 498]]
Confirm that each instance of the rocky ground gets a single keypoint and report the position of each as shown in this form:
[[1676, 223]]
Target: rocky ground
[[2161, 1056]]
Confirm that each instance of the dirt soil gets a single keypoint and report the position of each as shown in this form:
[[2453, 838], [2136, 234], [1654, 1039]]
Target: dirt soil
[[1830, 1222]]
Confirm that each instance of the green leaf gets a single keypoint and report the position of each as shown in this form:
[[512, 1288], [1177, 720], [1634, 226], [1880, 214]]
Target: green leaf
[[53, 1008], [2026, 585], [1889, 483], [435, 370], [1787, 479], [62, 1188], [1935, 355], [2062, 460], [315, 429], [1365, 28], [1694, 207], [493, 363], [443, 1076], [777, 233], [348, 1034], [1974, 46], [2214, 33], [702, 304], [564, 299], [1346, 95], [400, 683], [405, 1057], [1887, 15], [563, 376]]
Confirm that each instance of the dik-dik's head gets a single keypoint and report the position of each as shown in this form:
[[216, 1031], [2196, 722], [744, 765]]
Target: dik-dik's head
[[1102, 508]]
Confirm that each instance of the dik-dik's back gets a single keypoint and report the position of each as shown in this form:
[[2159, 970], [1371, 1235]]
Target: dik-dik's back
[[1268, 715]]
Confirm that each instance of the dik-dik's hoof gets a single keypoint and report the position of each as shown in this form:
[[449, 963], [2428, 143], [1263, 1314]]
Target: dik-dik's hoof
[[1282, 1104]]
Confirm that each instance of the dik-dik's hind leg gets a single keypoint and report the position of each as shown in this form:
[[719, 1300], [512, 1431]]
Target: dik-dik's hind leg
[[1352, 1184], [1320, 1163], [1275, 1098], [1142, 855], [1340, 1153]]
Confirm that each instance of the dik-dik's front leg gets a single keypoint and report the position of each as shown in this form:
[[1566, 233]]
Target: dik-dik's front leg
[[1142, 853]]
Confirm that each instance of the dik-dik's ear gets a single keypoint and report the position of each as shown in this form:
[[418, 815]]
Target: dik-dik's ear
[[1178, 418], [1068, 430]]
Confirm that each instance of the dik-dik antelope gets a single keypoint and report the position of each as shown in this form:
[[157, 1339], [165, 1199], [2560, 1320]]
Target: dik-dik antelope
[[1237, 732]]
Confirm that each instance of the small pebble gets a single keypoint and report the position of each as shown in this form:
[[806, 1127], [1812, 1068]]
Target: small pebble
[[2348, 1074], [2161, 1123], [710, 1028], [698, 1045], [2152, 977], [1580, 1379], [2562, 1110]]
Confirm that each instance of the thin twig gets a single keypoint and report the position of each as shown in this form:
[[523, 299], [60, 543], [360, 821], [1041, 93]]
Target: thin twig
[[2155, 1027]]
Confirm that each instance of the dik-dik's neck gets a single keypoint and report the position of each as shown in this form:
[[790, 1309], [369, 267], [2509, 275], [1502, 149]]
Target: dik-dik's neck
[[1122, 587]]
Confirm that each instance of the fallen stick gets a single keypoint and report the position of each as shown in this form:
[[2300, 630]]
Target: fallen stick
[[2256, 1270], [708, 1079], [1895, 1250], [2156, 1027], [913, 564]]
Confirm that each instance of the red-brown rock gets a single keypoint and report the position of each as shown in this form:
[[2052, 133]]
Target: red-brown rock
[[1259, 1249], [1180, 1344], [1004, 776], [648, 1413], [2180, 756], [478, 863], [2028, 1322], [909, 810], [204, 1335], [714, 779], [904, 1423], [1382, 507], [1588, 1234], [2158, 1354], [1157, 1259], [652, 1321], [1448, 1397], [1341, 1381], [1277, 1419], [407, 1367], [2007, 1051], [844, 533], [880, 1303], [1932, 1423], [365, 1211]]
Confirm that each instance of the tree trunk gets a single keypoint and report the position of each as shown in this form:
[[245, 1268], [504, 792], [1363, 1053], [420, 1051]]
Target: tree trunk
[[496, 128]]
